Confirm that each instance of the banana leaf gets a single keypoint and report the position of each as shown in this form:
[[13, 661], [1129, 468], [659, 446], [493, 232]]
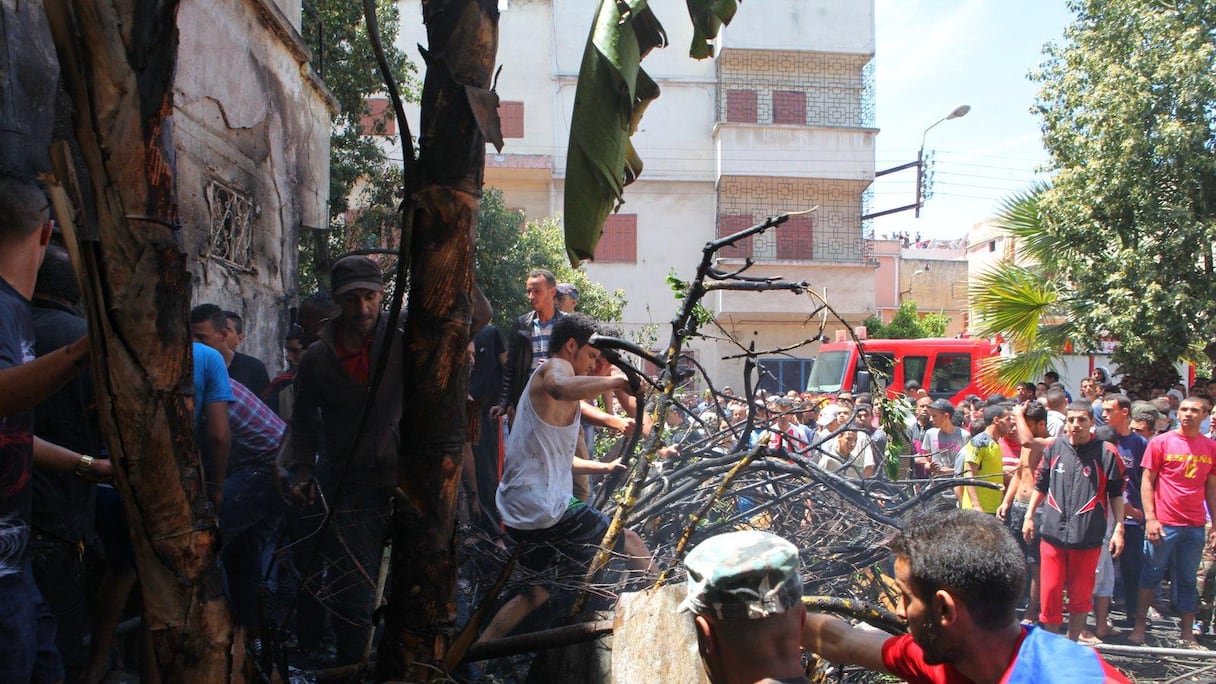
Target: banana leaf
[[612, 93], [707, 19]]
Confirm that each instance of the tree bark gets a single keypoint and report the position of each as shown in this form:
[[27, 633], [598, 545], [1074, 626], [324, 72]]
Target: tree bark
[[463, 42], [118, 60]]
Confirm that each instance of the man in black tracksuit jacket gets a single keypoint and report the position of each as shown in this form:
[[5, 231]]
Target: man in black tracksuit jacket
[[1078, 479]]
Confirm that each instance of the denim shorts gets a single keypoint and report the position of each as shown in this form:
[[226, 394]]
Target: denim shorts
[[1185, 546], [566, 549]]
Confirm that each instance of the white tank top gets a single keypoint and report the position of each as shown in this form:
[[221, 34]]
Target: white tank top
[[536, 481]]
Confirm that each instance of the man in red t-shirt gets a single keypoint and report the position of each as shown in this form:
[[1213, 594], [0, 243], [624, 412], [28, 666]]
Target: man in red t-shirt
[[960, 576], [1178, 480]]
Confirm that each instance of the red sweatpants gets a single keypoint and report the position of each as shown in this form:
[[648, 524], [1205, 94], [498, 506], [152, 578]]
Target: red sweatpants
[[1061, 568]]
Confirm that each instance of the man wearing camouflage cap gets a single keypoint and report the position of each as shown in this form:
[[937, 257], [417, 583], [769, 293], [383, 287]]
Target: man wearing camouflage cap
[[746, 598]]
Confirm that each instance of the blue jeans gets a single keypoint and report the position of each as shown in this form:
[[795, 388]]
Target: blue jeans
[[27, 633], [250, 519], [1185, 546]]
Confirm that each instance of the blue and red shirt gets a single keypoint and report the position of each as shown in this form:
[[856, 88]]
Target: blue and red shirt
[[1040, 657]]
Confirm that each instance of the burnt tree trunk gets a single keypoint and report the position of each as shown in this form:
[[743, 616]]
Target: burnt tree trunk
[[463, 41], [118, 60]]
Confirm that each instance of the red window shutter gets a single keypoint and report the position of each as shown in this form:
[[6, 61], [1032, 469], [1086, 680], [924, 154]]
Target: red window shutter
[[794, 239], [511, 117], [733, 223], [379, 119], [619, 242], [789, 107], [741, 106]]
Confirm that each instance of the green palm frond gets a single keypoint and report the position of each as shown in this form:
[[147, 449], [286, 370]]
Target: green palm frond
[[1001, 373], [1013, 300], [1021, 215]]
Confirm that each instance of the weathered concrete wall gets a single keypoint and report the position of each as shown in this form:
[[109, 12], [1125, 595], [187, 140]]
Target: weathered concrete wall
[[252, 135]]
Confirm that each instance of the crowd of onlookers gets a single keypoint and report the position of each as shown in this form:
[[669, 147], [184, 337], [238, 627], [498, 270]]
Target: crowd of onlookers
[[1104, 491]]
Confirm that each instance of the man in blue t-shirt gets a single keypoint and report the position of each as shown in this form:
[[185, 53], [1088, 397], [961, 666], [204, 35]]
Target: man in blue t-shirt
[[1116, 411], [212, 394], [27, 646]]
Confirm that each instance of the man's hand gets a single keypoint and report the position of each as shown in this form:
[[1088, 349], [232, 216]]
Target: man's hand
[[1116, 541], [497, 412], [613, 465], [1028, 528], [1002, 511], [303, 490], [100, 470], [1153, 531], [624, 425]]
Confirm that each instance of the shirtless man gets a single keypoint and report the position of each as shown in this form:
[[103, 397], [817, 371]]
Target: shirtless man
[[1031, 420], [544, 447]]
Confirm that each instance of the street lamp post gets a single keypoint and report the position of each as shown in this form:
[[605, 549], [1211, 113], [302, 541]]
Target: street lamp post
[[959, 112]]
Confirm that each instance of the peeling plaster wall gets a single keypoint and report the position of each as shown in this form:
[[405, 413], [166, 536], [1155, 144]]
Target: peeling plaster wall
[[251, 121]]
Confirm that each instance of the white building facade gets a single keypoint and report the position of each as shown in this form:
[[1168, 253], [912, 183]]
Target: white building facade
[[781, 120]]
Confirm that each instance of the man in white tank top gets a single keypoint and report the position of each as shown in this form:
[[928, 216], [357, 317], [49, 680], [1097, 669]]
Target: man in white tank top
[[558, 534]]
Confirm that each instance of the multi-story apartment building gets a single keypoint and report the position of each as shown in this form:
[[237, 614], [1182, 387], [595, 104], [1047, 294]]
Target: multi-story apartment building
[[781, 120]]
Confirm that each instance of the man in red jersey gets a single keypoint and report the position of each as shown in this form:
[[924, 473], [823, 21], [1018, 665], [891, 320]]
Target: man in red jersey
[[1178, 479], [960, 576]]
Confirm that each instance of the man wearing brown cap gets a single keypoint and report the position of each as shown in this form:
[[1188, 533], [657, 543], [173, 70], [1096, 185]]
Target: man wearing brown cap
[[331, 388]]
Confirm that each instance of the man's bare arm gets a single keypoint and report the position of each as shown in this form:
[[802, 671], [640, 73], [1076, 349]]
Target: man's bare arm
[[836, 641], [51, 456], [559, 381], [218, 439], [24, 387]]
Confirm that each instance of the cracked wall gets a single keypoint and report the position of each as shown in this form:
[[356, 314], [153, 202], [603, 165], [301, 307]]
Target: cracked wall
[[252, 134]]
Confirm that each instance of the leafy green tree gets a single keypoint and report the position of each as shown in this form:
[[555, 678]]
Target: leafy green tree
[[359, 168], [507, 250], [1128, 105], [907, 324]]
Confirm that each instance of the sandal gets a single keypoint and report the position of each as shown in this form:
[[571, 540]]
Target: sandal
[[1191, 645], [1089, 640]]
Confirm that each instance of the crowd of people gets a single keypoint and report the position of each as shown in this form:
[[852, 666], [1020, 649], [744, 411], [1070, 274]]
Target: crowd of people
[[1078, 483]]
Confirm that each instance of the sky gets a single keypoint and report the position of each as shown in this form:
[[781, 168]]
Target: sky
[[932, 56]]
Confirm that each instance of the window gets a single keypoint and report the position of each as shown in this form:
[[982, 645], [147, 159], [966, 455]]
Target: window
[[379, 119], [231, 225], [619, 242], [914, 369], [789, 107], [733, 223], [741, 106], [795, 238], [883, 366], [951, 373], [780, 375], [511, 119]]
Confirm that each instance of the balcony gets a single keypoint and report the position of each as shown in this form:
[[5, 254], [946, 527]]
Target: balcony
[[794, 151]]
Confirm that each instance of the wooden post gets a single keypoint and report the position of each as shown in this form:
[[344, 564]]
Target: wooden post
[[118, 60], [463, 42]]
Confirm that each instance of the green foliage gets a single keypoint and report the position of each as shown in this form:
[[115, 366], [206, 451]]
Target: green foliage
[[1128, 104], [700, 314], [360, 174], [611, 95], [505, 254], [907, 324], [707, 19]]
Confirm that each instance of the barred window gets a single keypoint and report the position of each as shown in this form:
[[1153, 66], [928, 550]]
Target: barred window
[[231, 225]]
